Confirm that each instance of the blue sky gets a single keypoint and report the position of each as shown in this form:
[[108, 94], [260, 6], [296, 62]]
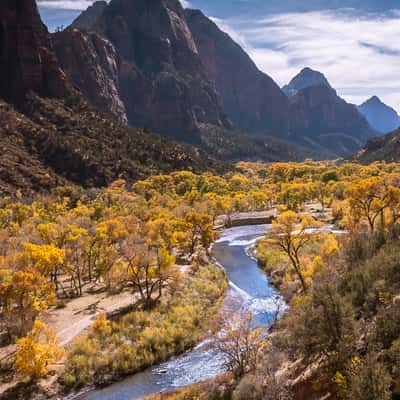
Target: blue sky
[[355, 43]]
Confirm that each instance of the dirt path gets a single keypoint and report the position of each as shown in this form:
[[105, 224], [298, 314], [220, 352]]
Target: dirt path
[[79, 314]]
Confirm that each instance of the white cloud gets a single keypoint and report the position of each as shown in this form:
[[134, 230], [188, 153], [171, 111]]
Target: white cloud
[[360, 55], [66, 4], [81, 4]]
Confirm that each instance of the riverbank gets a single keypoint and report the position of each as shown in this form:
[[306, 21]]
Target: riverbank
[[291, 376], [106, 354]]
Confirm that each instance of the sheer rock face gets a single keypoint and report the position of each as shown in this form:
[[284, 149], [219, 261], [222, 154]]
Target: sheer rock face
[[252, 100], [27, 61], [161, 79], [91, 63], [321, 118]]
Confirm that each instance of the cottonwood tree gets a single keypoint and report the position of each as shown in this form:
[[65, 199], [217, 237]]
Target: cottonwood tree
[[291, 234], [201, 230], [36, 351], [368, 199], [23, 295], [148, 269]]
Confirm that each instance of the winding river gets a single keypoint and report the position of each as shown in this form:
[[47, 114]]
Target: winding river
[[249, 290]]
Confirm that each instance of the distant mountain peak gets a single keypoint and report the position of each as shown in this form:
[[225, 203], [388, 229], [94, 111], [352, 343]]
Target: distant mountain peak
[[306, 78], [373, 100], [380, 116]]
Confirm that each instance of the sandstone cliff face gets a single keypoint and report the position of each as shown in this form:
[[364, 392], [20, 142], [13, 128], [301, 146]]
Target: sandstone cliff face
[[251, 98], [91, 63], [160, 77], [27, 61], [163, 82]]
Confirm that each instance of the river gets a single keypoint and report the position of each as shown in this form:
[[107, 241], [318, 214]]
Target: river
[[249, 290]]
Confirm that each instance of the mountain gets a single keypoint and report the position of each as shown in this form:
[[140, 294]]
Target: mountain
[[305, 79], [251, 99], [323, 121], [379, 115], [159, 77], [384, 148], [50, 135]]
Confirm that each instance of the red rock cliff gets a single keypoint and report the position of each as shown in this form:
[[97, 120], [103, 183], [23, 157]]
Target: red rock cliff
[[27, 61]]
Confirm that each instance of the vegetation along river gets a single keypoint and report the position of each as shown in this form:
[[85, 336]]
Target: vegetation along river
[[249, 290]]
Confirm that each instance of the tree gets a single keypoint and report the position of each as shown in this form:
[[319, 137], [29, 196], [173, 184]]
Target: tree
[[369, 380], [36, 351], [368, 199], [291, 233], [241, 344], [47, 259], [149, 269], [23, 295], [321, 323], [201, 230], [321, 192]]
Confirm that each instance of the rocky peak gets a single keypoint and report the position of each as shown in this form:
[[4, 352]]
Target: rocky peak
[[87, 20], [380, 116], [374, 100], [152, 33], [27, 61], [306, 78]]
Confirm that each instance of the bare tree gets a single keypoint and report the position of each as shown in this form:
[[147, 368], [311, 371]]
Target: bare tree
[[240, 343]]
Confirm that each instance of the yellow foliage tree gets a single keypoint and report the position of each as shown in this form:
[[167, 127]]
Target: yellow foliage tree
[[291, 233], [23, 295], [36, 351]]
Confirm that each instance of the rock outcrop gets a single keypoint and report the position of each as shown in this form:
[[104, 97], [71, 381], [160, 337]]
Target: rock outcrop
[[91, 63], [27, 61], [252, 100], [380, 116]]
